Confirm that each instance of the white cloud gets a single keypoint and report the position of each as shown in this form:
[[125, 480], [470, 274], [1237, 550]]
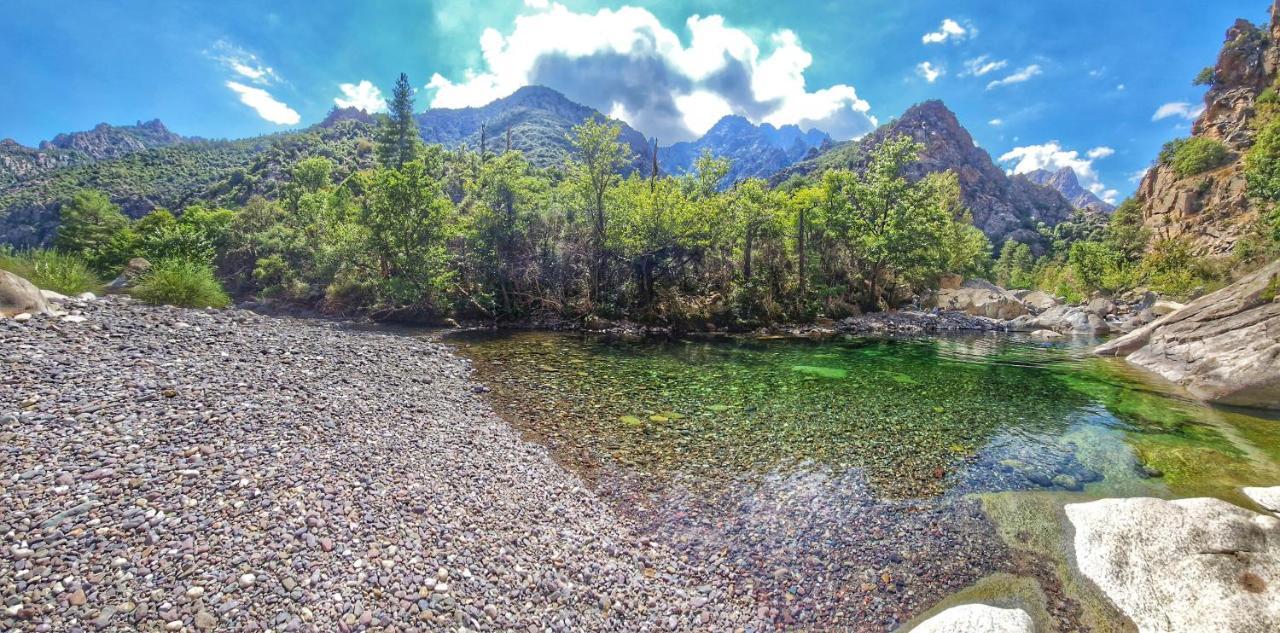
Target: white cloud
[[995, 122], [948, 30], [626, 60], [982, 65], [929, 71], [362, 96], [1052, 156], [1180, 109], [242, 63], [1017, 77], [267, 106], [536, 4], [1120, 87]]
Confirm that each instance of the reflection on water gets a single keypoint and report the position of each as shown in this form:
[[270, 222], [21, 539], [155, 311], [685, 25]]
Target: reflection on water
[[835, 482]]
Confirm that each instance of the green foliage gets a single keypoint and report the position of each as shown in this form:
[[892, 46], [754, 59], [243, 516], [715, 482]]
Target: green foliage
[[89, 220], [1125, 233], [1196, 154], [398, 139], [1262, 164], [405, 213], [1205, 77], [52, 270], [1015, 266], [1171, 269], [181, 282]]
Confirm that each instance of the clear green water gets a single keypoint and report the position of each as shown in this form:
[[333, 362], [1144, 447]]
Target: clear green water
[[874, 472]]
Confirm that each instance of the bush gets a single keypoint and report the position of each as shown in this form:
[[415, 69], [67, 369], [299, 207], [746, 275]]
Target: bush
[[182, 283], [51, 270], [1205, 77], [1196, 155], [1262, 164]]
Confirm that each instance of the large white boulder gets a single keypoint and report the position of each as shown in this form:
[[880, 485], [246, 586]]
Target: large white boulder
[[978, 618], [1184, 565], [1268, 498], [1223, 347], [979, 298]]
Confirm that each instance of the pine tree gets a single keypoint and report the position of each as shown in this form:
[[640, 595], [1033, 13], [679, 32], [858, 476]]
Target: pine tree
[[398, 139]]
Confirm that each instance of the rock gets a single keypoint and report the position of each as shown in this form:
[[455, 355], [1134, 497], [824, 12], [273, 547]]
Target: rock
[[1223, 347], [979, 298], [205, 620], [1162, 308], [50, 295], [19, 296], [1068, 482], [1185, 565], [950, 282], [74, 318], [1062, 318], [1100, 306], [1268, 498], [978, 618], [1039, 300], [1045, 335], [247, 580], [134, 269], [87, 296]]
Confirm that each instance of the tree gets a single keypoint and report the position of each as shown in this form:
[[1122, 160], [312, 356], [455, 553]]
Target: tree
[[599, 157], [89, 221], [1205, 77], [1126, 233], [398, 139], [406, 214], [1014, 267]]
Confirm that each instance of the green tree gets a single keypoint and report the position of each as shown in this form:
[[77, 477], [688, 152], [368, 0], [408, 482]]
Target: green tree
[[407, 214], [1126, 233], [1014, 267], [398, 139], [599, 157], [88, 222]]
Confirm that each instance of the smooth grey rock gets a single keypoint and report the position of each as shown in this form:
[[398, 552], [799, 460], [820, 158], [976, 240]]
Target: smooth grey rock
[[19, 296], [1184, 565], [1268, 498], [978, 618]]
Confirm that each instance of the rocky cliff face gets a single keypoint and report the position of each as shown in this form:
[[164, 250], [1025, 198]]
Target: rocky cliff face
[[754, 151], [1211, 209], [1003, 207], [540, 120], [18, 162], [1065, 182]]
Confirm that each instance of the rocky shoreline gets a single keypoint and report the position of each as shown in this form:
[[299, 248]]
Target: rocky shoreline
[[162, 476]]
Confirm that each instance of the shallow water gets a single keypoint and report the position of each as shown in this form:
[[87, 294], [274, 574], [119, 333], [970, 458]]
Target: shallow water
[[855, 483]]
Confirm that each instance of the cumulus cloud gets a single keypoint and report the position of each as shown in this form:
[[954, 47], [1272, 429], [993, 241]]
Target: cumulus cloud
[[929, 71], [362, 96], [995, 122], [1017, 77], [267, 106], [1052, 156], [242, 63], [949, 30], [982, 65], [1180, 109], [627, 62]]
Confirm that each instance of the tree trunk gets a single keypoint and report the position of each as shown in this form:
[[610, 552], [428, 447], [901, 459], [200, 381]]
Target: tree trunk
[[746, 255], [800, 230]]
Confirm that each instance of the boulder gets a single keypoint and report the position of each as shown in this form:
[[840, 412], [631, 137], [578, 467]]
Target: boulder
[[1162, 307], [978, 618], [1184, 565], [1065, 319], [1039, 300], [979, 298], [1045, 335], [1223, 347], [134, 269], [1268, 498], [1101, 306], [19, 296], [950, 282], [50, 295]]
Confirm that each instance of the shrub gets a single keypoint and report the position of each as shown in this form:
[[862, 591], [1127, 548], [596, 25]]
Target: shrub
[[1196, 155], [184, 283], [1262, 164], [52, 270], [1205, 77]]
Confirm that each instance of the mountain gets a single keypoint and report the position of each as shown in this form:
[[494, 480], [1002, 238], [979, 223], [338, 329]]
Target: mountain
[[754, 151], [1003, 206], [540, 120], [18, 162], [1066, 183], [144, 166], [1211, 209]]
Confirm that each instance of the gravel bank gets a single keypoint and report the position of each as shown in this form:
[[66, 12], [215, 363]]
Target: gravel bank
[[166, 469]]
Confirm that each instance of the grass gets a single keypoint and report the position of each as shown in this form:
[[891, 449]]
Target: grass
[[52, 270], [182, 283]]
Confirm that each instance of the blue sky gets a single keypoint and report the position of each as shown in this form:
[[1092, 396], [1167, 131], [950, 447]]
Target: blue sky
[[1042, 84]]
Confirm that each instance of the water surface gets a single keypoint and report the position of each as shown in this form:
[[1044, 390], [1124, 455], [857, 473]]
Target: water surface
[[854, 484]]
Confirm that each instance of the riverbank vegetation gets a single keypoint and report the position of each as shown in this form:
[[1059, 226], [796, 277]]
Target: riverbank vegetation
[[430, 233]]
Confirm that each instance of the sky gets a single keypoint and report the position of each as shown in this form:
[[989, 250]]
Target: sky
[[1094, 85]]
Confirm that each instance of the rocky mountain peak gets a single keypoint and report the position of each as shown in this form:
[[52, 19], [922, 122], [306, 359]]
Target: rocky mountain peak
[[1067, 183], [336, 115]]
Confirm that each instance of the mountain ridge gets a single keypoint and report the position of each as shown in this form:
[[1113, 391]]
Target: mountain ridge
[[1067, 183], [755, 151]]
